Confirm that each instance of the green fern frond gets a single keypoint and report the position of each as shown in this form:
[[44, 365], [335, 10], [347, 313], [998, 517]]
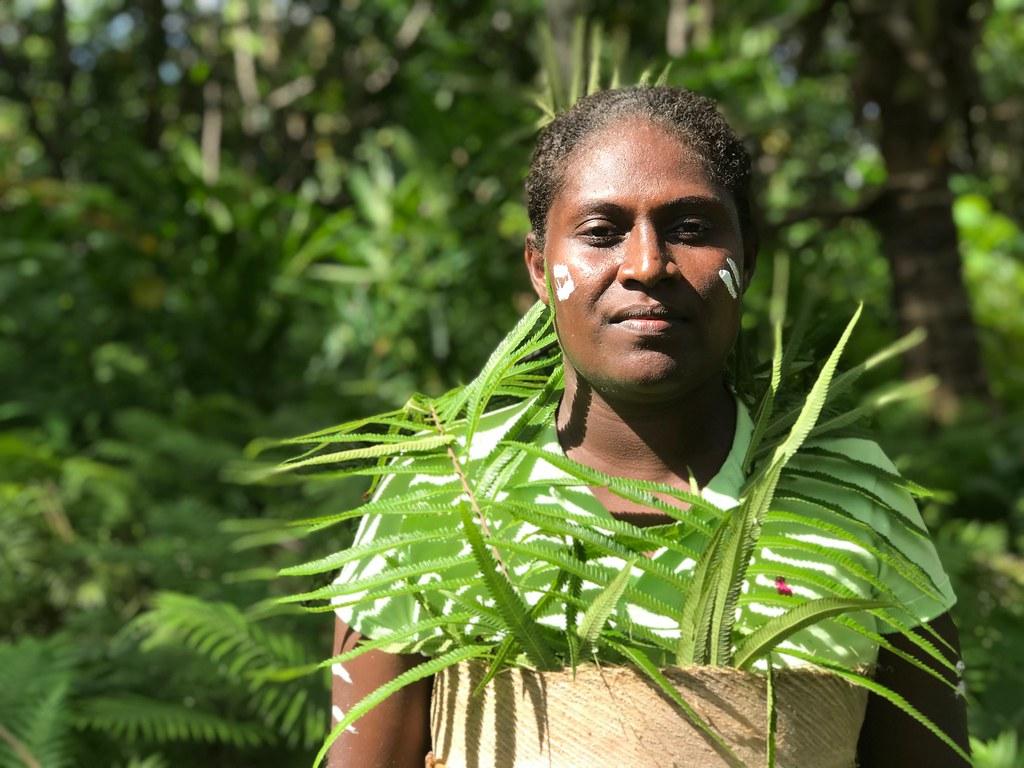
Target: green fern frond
[[552, 524], [587, 571], [35, 680], [828, 478], [602, 606], [137, 718], [873, 542], [892, 479], [882, 691], [645, 665], [377, 546], [507, 600], [776, 315], [244, 654], [776, 630], [633, 537], [410, 571], [482, 388], [426, 669], [640, 491], [845, 381]]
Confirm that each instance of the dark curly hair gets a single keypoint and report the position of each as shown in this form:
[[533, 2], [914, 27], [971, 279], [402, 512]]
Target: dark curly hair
[[695, 119]]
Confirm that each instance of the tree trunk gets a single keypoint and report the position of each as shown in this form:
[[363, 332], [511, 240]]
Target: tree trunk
[[913, 69]]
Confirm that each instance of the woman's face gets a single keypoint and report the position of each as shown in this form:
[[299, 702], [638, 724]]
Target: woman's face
[[646, 263]]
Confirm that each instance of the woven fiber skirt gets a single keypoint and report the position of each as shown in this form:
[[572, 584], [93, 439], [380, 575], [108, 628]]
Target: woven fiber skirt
[[614, 716]]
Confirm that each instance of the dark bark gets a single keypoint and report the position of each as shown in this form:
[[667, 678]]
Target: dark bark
[[155, 52], [914, 69]]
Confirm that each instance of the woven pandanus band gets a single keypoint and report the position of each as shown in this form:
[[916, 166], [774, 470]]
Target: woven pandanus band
[[614, 716]]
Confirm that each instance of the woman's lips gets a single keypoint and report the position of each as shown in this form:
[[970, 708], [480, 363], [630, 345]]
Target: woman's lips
[[649, 325], [648, 320]]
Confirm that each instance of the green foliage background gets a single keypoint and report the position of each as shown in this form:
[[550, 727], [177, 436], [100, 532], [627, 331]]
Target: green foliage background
[[351, 233]]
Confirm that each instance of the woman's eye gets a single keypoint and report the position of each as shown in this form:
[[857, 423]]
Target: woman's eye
[[690, 229], [601, 233]]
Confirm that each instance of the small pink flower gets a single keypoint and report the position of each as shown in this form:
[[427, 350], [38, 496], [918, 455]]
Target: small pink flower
[[782, 587]]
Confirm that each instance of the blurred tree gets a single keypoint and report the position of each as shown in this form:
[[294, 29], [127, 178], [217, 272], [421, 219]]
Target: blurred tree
[[917, 70]]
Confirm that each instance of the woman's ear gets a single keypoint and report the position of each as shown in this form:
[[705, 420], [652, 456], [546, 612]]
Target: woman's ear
[[533, 254]]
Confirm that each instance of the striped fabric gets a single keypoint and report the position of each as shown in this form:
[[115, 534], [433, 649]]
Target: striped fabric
[[792, 560]]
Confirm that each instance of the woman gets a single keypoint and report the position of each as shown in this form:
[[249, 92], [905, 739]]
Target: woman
[[642, 237]]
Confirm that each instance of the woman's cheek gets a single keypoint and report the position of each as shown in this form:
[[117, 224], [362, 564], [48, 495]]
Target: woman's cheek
[[731, 278], [563, 283]]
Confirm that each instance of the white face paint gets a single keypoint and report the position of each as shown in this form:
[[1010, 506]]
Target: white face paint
[[731, 278], [730, 286], [340, 672], [735, 270], [564, 286], [338, 715]]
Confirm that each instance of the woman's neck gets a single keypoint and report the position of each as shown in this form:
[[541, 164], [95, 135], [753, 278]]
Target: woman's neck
[[659, 440]]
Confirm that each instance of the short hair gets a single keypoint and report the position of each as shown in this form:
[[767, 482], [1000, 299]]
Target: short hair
[[695, 119]]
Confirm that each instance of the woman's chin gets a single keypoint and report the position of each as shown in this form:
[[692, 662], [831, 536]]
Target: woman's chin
[[655, 377]]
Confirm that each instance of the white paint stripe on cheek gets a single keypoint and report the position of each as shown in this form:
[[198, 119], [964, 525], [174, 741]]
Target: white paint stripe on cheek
[[564, 286], [730, 286], [337, 715], [734, 269], [339, 671]]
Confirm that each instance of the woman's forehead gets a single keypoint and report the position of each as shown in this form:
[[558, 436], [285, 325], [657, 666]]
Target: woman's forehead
[[638, 160]]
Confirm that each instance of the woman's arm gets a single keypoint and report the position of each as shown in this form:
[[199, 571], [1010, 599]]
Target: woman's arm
[[891, 738], [395, 734]]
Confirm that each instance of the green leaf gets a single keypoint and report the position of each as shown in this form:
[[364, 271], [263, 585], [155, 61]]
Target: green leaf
[[640, 491], [886, 693], [665, 685], [777, 630], [695, 617], [506, 600], [662, 77], [552, 69], [412, 570], [391, 638], [482, 388], [892, 478], [603, 605], [777, 312], [840, 482], [579, 36], [131, 718], [847, 379], [408, 502], [374, 547], [551, 524], [506, 649], [873, 542], [419, 672], [417, 445], [815, 400]]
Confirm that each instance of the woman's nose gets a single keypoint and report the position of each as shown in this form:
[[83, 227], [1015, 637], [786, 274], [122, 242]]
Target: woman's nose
[[645, 260]]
